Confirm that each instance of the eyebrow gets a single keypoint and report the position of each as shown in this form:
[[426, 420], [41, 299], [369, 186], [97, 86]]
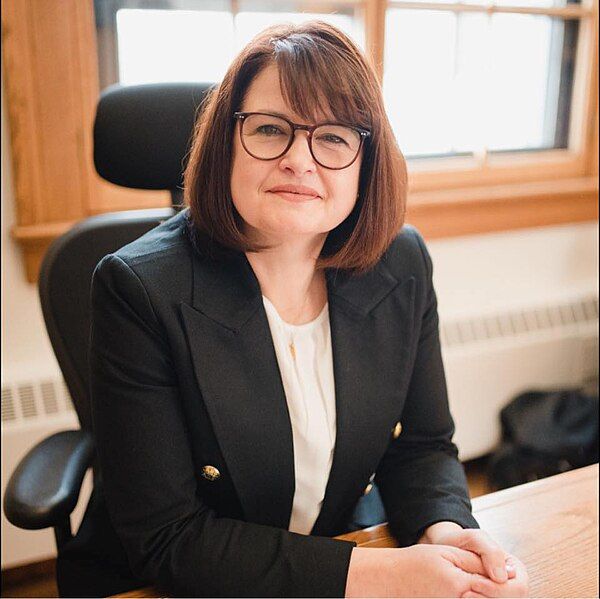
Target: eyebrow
[[275, 112], [287, 116]]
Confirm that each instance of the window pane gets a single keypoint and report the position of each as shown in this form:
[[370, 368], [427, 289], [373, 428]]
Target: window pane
[[530, 81], [255, 15], [537, 3], [456, 83], [431, 89], [248, 24], [164, 45], [486, 3], [144, 41], [391, 4]]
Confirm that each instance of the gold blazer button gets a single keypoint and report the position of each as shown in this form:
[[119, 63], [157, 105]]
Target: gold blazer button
[[210, 472], [397, 430], [368, 489]]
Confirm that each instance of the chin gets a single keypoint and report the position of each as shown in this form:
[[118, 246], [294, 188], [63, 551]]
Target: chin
[[291, 228], [293, 231]]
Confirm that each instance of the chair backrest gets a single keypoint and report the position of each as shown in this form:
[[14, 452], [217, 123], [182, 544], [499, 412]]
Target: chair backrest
[[64, 287], [142, 134], [141, 139]]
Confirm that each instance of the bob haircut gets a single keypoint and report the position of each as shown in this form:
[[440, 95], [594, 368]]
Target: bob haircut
[[320, 71]]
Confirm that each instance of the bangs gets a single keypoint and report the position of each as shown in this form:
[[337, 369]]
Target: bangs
[[318, 81]]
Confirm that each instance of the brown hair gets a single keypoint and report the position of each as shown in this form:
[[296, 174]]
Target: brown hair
[[320, 69]]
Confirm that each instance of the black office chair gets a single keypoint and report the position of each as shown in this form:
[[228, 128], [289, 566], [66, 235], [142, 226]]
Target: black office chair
[[141, 138]]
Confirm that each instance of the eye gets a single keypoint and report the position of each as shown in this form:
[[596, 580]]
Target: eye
[[332, 139], [268, 130]]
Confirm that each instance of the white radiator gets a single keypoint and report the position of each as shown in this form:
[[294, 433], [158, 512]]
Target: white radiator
[[31, 411], [489, 358]]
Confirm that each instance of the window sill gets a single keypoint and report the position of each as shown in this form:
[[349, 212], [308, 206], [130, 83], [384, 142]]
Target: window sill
[[478, 210]]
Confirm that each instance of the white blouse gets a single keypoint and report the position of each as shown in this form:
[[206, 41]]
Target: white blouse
[[306, 365]]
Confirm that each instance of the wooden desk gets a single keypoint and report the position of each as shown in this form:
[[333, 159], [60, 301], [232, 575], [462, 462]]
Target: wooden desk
[[550, 524]]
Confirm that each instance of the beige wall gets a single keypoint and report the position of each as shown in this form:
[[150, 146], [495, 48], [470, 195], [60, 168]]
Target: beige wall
[[498, 271], [26, 351]]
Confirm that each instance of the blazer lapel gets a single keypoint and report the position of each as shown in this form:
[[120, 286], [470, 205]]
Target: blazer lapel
[[370, 333], [236, 369]]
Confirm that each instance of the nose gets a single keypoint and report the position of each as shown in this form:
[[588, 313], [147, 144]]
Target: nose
[[298, 158]]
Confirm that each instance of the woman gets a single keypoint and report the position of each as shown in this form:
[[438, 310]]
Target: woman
[[262, 358]]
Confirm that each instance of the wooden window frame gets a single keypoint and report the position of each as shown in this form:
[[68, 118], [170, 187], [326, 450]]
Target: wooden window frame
[[51, 78]]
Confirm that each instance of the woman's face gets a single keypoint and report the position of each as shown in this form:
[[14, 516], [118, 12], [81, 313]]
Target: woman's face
[[275, 217]]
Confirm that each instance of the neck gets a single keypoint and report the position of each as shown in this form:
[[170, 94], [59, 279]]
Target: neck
[[288, 278]]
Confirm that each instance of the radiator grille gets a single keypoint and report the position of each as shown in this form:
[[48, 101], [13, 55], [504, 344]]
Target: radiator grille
[[8, 405], [519, 322], [26, 401], [49, 399]]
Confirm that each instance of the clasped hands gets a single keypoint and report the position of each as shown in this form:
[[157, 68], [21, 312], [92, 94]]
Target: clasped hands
[[493, 572], [449, 561]]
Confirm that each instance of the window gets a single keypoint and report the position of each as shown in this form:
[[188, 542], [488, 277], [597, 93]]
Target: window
[[463, 83], [468, 87]]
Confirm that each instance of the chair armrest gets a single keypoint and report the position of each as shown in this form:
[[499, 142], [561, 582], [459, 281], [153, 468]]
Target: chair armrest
[[44, 488]]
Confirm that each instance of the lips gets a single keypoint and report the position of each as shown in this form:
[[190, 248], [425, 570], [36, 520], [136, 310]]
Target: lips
[[299, 190]]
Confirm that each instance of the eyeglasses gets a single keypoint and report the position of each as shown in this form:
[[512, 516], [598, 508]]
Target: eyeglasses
[[268, 136]]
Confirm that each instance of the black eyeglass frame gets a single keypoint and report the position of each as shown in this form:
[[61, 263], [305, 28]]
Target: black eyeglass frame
[[364, 133]]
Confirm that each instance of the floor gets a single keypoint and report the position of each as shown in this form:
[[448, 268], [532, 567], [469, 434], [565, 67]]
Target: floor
[[477, 477], [38, 580], [33, 580]]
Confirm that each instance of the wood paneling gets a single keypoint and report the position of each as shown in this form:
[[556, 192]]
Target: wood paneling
[[51, 76], [51, 91], [373, 15], [50, 101], [111, 197], [593, 144]]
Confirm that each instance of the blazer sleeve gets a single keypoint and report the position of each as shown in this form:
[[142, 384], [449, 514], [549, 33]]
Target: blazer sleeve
[[420, 478], [170, 536]]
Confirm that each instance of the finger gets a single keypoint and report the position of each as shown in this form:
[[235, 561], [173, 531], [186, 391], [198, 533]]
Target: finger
[[466, 560], [510, 570], [494, 560], [471, 594], [492, 555], [485, 586], [488, 588], [515, 565]]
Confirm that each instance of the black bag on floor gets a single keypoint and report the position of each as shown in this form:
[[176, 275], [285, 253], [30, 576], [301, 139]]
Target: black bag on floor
[[544, 433]]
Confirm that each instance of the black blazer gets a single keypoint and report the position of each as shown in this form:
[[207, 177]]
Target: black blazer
[[184, 375]]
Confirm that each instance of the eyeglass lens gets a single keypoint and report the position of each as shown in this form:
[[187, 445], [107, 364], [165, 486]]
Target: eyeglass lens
[[267, 137]]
